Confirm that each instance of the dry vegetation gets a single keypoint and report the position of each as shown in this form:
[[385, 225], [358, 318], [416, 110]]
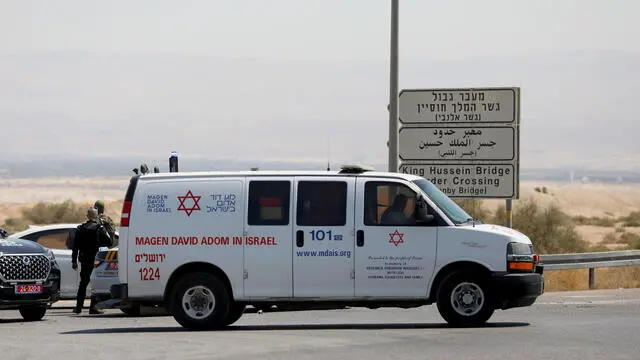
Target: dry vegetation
[[560, 218]]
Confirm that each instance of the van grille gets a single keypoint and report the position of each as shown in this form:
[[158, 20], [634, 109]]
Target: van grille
[[24, 267]]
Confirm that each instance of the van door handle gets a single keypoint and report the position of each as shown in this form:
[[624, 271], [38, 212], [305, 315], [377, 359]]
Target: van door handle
[[299, 238], [360, 238]]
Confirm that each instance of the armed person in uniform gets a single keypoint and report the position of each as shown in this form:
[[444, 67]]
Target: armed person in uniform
[[89, 237], [106, 221]]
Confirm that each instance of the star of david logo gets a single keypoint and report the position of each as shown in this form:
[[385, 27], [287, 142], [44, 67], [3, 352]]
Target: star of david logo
[[396, 238], [194, 207]]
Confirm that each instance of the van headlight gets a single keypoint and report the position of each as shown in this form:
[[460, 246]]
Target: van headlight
[[521, 257], [52, 259]]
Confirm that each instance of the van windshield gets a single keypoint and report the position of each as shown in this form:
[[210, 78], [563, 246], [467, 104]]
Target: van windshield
[[448, 206]]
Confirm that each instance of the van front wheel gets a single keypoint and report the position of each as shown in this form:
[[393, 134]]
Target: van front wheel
[[235, 313], [200, 302], [464, 300]]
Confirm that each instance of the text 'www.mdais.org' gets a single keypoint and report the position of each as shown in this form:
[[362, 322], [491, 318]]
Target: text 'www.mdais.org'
[[324, 253]]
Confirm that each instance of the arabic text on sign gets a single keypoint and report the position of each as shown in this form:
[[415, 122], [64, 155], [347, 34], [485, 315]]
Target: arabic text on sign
[[433, 143]]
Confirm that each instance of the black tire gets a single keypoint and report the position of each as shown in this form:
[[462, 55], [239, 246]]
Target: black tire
[[132, 311], [33, 313], [202, 287], [482, 295], [235, 313]]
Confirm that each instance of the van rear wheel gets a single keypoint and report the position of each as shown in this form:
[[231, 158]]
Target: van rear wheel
[[465, 300], [200, 301]]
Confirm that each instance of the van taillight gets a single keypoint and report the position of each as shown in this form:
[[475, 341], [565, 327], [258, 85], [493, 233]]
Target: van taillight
[[126, 212]]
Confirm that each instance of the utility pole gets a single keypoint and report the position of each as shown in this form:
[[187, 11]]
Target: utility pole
[[393, 89]]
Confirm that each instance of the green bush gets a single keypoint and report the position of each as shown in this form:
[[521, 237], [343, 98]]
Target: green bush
[[13, 225], [550, 229], [631, 220], [43, 213], [610, 238], [65, 212], [594, 221], [631, 239]]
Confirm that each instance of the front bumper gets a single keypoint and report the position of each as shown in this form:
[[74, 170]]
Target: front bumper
[[50, 294], [101, 285], [517, 289]]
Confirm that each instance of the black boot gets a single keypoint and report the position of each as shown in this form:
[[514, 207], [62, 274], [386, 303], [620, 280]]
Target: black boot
[[92, 307], [79, 305]]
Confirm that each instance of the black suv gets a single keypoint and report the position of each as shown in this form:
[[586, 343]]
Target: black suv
[[29, 278]]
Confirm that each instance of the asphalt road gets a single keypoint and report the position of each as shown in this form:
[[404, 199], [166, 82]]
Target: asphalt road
[[572, 325]]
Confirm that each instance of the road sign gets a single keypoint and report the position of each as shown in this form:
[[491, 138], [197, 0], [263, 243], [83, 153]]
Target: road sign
[[466, 141], [483, 105], [459, 143], [468, 180]]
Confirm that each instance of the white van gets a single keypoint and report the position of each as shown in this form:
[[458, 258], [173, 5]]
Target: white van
[[206, 244]]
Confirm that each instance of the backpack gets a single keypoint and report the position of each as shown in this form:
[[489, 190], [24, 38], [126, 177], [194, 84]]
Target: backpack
[[108, 225]]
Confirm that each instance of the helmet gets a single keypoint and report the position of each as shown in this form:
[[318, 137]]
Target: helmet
[[99, 205]]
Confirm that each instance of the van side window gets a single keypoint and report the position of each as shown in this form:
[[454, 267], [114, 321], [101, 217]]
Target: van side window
[[322, 203], [269, 202], [389, 204]]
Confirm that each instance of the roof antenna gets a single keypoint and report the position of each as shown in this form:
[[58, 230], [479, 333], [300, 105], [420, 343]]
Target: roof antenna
[[329, 153]]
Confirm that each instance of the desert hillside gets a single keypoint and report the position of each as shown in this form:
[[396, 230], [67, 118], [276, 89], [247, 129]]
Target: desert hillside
[[590, 200]]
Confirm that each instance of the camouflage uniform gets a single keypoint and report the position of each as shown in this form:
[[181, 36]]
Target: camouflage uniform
[[106, 221], [108, 224]]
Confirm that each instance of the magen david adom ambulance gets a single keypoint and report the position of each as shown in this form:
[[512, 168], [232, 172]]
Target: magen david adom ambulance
[[205, 245]]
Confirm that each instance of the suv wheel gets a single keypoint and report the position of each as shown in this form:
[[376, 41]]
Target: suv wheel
[[464, 300], [33, 313], [200, 301]]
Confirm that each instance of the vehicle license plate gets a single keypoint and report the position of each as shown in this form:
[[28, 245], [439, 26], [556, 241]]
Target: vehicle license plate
[[28, 289]]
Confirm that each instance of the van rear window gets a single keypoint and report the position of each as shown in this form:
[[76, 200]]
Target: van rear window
[[322, 203], [269, 202]]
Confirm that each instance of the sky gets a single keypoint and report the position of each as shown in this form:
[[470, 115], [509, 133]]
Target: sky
[[269, 78], [320, 29]]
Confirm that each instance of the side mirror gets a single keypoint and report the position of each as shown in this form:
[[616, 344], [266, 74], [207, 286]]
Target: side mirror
[[421, 211]]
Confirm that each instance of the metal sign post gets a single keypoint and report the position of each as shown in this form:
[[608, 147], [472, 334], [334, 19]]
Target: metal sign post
[[393, 89]]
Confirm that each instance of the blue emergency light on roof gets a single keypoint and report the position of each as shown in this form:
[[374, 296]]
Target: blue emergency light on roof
[[173, 161], [355, 169]]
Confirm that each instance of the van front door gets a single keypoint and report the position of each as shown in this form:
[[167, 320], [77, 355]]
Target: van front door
[[395, 255], [323, 237]]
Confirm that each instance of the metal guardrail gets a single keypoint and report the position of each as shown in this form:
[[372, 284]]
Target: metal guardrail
[[590, 261]]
